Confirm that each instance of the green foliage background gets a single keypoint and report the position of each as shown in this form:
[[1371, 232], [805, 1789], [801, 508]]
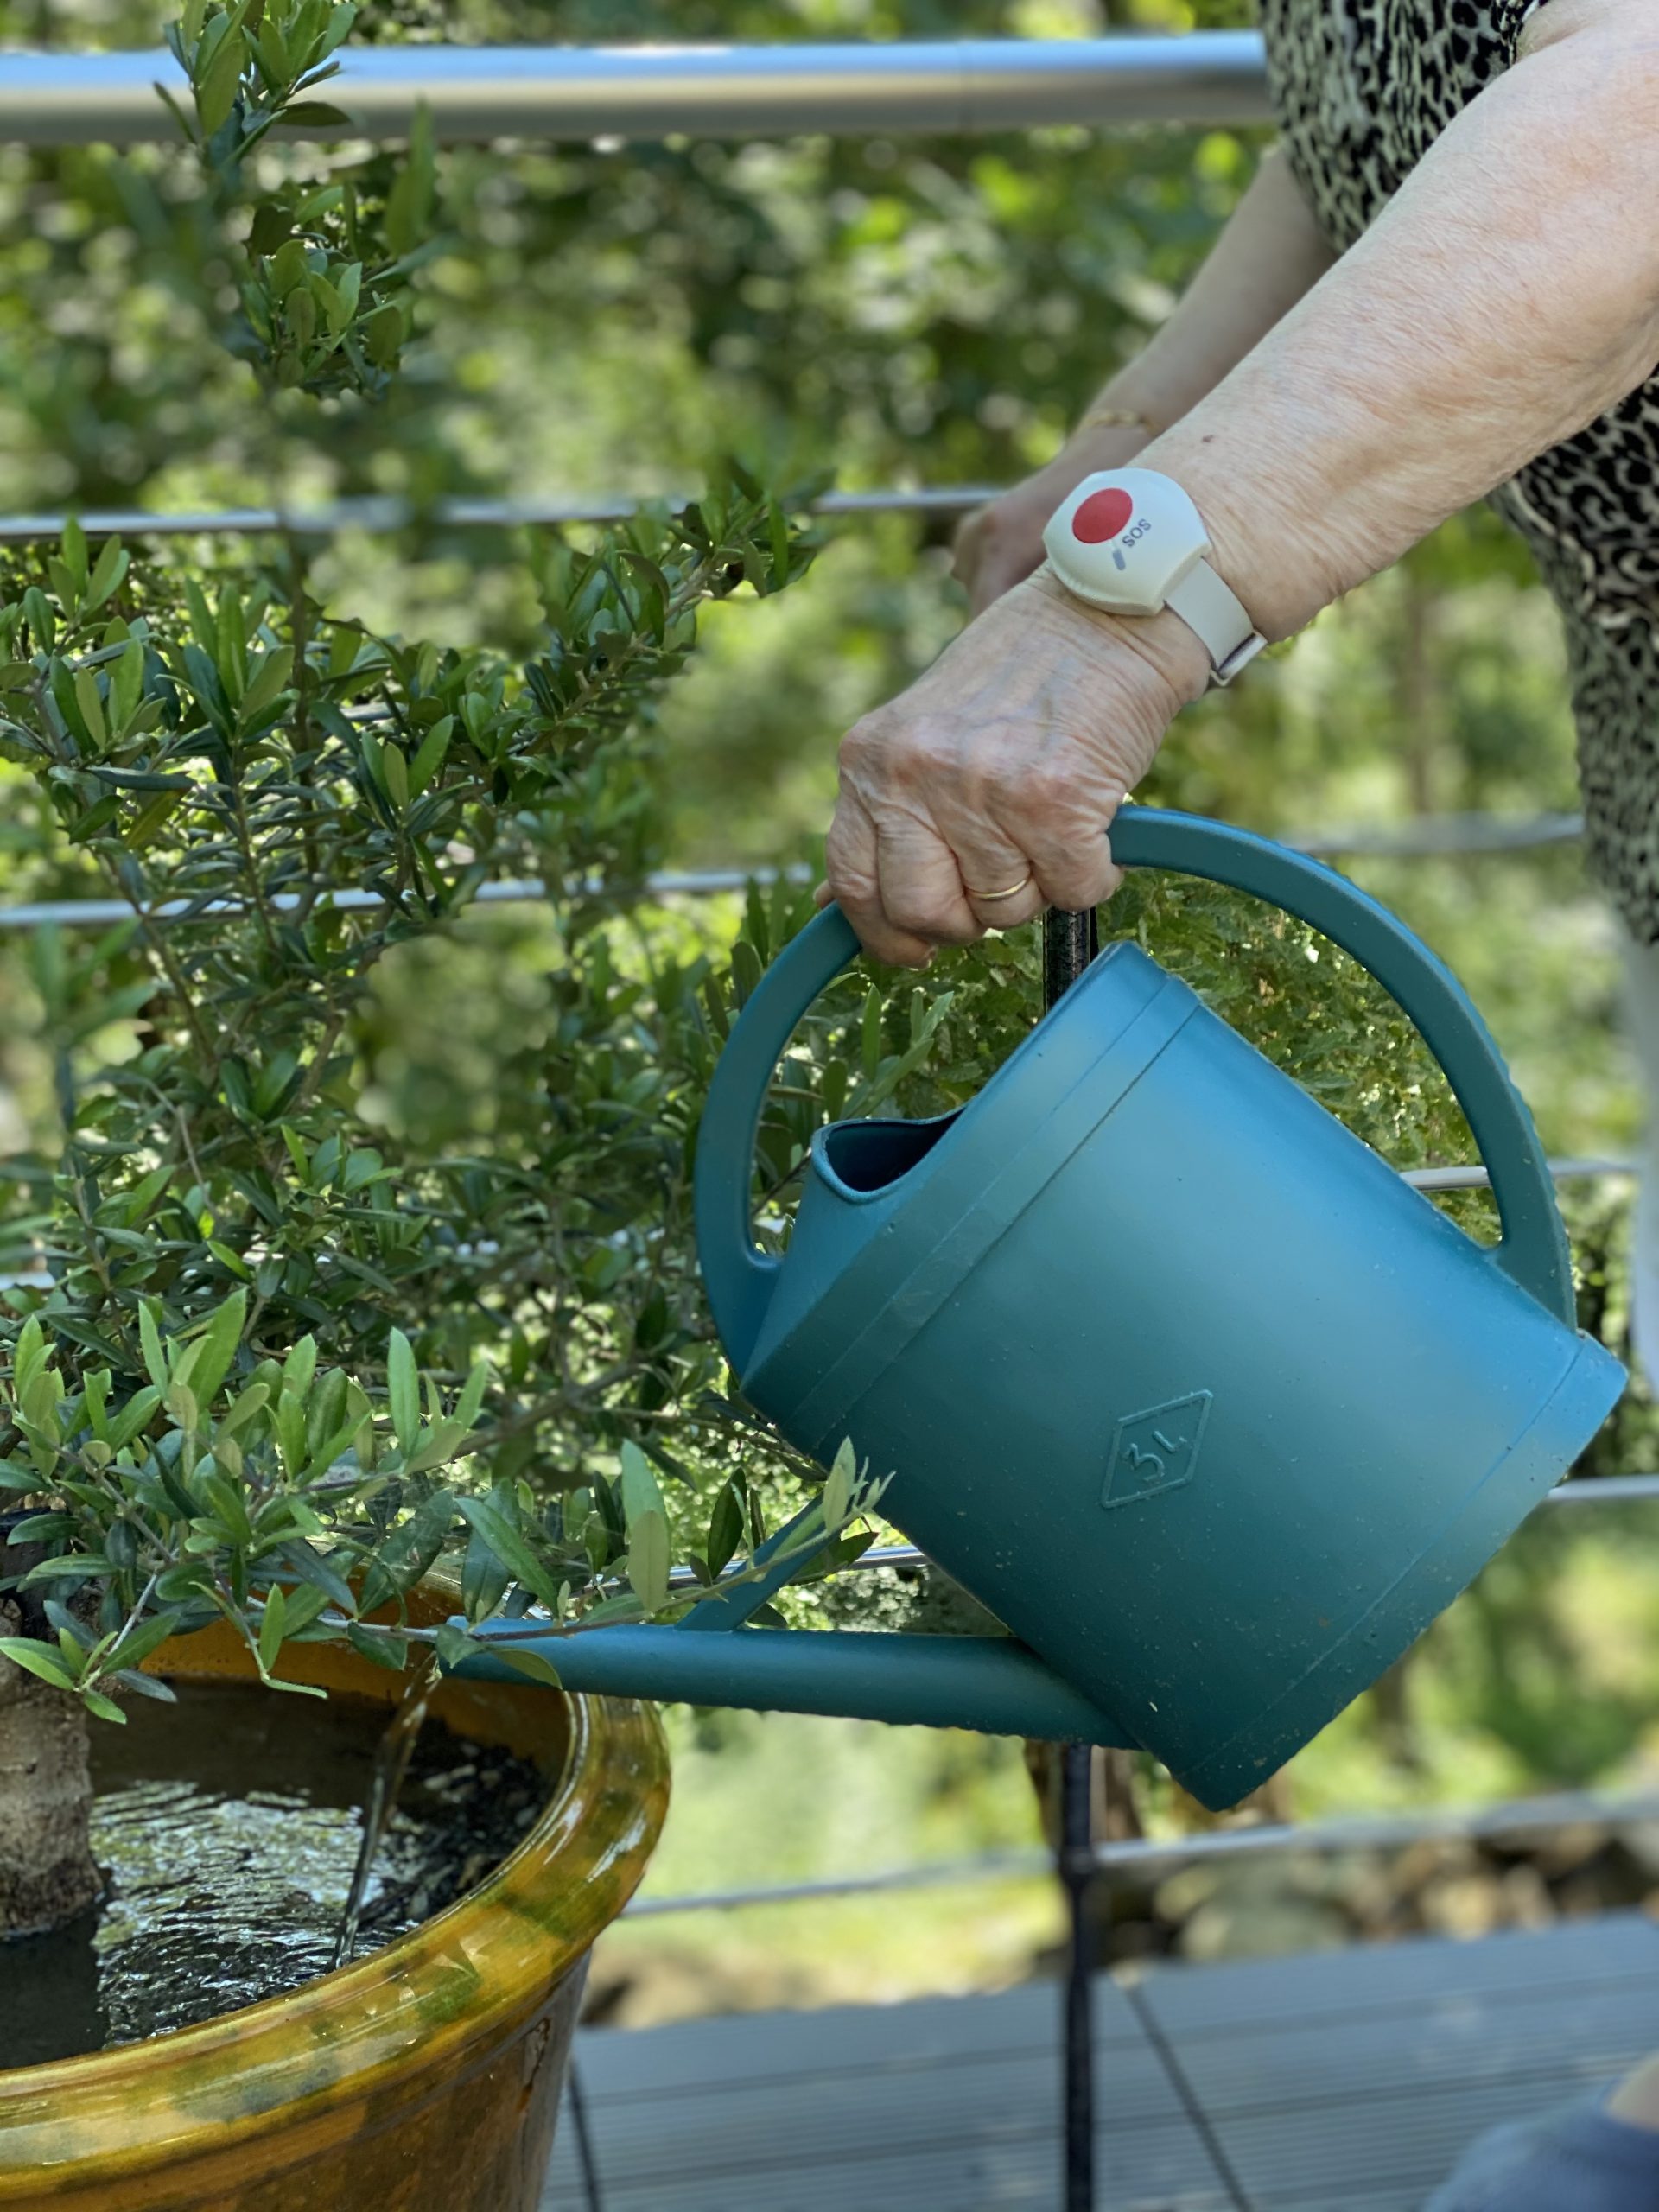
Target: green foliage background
[[526, 1078]]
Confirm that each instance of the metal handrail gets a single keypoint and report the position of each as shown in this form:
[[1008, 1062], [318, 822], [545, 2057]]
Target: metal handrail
[[662, 883], [549, 92], [1473, 1177], [1604, 1490], [1432, 836]]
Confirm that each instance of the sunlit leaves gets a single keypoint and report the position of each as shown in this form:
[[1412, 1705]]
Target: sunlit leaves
[[170, 1508], [647, 1526], [325, 284], [403, 1389]]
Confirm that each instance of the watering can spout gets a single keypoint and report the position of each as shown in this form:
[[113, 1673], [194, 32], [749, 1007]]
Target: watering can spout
[[990, 1683], [985, 1682]]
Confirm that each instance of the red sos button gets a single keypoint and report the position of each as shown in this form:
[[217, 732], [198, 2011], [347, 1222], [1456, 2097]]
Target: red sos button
[[1101, 515]]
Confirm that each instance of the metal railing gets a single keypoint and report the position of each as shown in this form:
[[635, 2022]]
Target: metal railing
[[1484, 834], [722, 91], [1160, 1854], [1428, 836], [386, 514], [1604, 1490]]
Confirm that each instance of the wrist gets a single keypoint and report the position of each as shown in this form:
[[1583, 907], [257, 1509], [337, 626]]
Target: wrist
[[1270, 553], [1173, 655], [1131, 543]]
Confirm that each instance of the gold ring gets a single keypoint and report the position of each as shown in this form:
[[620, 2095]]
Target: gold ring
[[986, 898]]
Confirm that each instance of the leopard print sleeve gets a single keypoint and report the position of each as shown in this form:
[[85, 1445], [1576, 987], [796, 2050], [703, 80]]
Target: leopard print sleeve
[[1509, 18], [1363, 88]]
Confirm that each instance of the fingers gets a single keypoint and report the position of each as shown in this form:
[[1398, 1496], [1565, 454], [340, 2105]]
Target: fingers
[[967, 548], [1032, 814], [1069, 853], [904, 887], [851, 858], [926, 851], [895, 875], [1012, 907], [998, 880], [907, 888], [921, 884]]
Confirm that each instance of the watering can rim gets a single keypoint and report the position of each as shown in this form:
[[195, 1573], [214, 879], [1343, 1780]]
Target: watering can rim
[[1043, 1039], [849, 1194]]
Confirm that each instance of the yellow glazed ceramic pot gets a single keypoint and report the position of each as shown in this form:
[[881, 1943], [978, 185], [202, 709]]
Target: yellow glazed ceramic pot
[[426, 2075]]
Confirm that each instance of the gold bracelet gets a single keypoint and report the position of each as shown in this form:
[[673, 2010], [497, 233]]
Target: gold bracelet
[[1100, 418]]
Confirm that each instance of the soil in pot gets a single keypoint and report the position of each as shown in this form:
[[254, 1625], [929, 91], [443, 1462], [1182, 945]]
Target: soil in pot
[[229, 1825]]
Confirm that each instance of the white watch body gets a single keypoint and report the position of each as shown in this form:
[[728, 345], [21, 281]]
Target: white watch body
[[1130, 540]]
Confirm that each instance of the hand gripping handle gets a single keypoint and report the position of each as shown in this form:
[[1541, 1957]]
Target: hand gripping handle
[[1533, 1249]]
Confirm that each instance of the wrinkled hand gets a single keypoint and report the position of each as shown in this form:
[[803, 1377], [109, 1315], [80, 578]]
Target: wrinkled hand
[[1000, 545], [1002, 766]]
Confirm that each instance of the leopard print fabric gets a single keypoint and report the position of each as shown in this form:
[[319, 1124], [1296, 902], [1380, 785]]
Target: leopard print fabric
[[1363, 88]]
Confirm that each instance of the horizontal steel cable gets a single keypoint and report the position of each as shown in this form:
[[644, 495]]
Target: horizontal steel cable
[[1433, 836], [1377, 1832], [387, 514], [1599, 1490]]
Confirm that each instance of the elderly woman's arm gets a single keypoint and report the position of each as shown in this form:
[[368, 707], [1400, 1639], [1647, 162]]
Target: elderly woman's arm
[[1508, 296], [1265, 259]]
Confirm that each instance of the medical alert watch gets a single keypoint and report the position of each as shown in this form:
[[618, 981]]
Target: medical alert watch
[[1131, 541]]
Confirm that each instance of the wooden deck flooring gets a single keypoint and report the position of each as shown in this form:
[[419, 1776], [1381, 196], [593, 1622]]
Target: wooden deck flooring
[[1333, 2083]]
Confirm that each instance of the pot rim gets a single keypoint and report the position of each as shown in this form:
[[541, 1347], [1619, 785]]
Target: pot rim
[[346, 2052]]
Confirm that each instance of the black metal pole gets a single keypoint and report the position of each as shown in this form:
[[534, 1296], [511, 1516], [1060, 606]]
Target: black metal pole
[[585, 2158], [1077, 1873], [1070, 943]]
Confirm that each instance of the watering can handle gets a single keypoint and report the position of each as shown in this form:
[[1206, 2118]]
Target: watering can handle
[[1533, 1249]]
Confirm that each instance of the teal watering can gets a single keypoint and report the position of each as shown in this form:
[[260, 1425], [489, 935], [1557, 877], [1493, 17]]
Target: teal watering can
[[1171, 1372]]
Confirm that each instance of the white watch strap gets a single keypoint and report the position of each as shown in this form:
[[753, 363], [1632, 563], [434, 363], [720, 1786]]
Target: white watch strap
[[1208, 605]]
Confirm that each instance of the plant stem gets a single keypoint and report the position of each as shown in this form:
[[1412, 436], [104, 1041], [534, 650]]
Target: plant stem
[[391, 1757]]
